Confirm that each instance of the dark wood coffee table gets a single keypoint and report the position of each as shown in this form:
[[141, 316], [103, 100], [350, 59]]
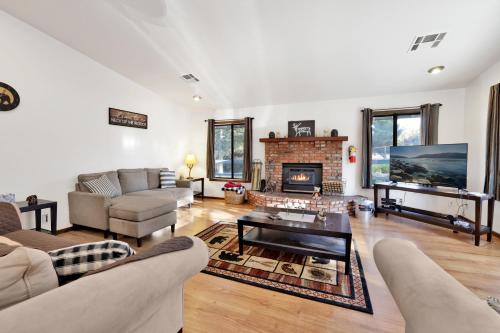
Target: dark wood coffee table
[[329, 240]]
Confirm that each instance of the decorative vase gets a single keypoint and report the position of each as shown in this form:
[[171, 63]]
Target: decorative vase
[[334, 133], [272, 135], [32, 200]]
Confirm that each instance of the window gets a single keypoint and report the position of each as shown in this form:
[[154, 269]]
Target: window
[[229, 143], [397, 129]]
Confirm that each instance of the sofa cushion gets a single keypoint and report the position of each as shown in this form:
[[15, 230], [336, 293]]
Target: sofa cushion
[[102, 185], [25, 273], [133, 180], [38, 240], [176, 193], [154, 177], [112, 176], [138, 208]]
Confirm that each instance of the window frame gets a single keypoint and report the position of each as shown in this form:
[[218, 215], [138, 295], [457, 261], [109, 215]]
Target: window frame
[[395, 114], [232, 123]]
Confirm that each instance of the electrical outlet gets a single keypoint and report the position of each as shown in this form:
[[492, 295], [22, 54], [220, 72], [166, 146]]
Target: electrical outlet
[[45, 219]]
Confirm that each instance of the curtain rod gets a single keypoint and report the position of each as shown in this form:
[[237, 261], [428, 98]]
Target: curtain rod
[[405, 108], [231, 119]]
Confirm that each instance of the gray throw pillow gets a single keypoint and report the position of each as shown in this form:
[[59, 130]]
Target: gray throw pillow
[[167, 179], [102, 185]]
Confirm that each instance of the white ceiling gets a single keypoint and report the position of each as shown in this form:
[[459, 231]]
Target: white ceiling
[[260, 52]]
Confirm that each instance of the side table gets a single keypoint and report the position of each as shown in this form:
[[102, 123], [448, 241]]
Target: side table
[[200, 193], [42, 204]]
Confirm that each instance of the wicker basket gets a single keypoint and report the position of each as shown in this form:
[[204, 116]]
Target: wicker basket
[[234, 198]]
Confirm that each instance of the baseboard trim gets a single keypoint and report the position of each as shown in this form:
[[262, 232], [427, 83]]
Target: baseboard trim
[[61, 231], [210, 197], [496, 234]]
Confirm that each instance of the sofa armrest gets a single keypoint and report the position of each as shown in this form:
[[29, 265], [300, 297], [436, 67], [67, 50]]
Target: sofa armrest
[[131, 298], [186, 183], [430, 299], [89, 209]]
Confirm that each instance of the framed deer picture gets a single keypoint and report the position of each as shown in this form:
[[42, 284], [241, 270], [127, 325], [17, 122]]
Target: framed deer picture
[[301, 128]]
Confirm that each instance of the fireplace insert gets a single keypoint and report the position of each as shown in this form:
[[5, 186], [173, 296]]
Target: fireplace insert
[[301, 177]]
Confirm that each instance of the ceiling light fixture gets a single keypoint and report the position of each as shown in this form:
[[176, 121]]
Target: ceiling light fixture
[[435, 70], [197, 98]]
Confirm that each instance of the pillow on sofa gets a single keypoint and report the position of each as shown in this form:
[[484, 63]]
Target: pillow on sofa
[[133, 180], [167, 179], [25, 273], [112, 175], [102, 185]]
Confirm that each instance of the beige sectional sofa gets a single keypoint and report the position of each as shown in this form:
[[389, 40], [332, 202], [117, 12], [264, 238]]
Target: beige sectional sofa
[[430, 299], [143, 296], [141, 207]]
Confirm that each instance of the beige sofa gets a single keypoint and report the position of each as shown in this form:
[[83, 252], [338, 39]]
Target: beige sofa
[[141, 207], [143, 296], [430, 299]]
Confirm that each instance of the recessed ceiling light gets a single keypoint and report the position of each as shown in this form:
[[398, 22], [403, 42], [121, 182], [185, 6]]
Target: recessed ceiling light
[[197, 98], [435, 70]]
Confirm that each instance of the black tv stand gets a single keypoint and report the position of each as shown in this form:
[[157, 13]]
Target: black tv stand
[[439, 219]]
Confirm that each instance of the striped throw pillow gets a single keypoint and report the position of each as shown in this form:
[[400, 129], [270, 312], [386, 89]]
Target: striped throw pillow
[[167, 179], [102, 185]]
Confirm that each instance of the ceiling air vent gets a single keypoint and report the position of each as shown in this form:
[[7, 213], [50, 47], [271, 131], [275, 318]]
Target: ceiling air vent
[[427, 41], [189, 78]]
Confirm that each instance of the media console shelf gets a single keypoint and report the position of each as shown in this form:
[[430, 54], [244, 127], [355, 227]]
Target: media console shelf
[[440, 219]]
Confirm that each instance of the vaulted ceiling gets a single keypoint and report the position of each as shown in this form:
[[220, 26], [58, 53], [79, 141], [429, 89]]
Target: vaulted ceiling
[[260, 52]]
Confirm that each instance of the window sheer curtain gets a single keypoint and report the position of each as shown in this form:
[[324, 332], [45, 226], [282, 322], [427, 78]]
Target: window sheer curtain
[[492, 176], [429, 121]]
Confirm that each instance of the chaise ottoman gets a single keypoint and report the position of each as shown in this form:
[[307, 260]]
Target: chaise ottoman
[[138, 216]]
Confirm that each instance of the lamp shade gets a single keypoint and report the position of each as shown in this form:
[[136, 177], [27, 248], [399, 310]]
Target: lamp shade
[[190, 159]]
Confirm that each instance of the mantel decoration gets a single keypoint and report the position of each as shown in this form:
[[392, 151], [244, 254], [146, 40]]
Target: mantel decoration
[[9, 98], [127, 118], [301, 128]]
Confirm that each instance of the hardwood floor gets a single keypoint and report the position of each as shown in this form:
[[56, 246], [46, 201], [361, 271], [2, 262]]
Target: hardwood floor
[[214, 304]]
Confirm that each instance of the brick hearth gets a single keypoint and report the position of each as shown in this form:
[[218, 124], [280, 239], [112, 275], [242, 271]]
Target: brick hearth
[[331, 204]]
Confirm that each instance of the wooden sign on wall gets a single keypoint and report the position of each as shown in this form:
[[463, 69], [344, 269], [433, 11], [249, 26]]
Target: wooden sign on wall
[[127, 118], [301, 128]]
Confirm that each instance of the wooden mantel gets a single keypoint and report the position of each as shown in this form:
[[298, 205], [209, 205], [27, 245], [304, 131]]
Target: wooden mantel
[[306, 138]]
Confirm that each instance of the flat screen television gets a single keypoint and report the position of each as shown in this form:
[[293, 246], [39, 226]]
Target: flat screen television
[[435, 165]]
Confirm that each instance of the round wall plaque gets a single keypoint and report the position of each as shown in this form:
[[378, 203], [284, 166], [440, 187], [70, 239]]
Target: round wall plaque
[[9, 98]]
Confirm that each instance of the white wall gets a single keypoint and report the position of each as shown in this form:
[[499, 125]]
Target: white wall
[[345, 116], [60, 128], [476, 119]]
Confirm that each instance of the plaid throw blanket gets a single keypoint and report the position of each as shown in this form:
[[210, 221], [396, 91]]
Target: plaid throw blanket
[[238, 190], [79, 259]]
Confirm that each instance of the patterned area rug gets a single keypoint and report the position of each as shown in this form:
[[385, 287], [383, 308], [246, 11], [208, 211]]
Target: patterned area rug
[[285, 272]]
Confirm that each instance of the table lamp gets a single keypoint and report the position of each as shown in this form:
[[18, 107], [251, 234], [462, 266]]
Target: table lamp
[[190, 161]]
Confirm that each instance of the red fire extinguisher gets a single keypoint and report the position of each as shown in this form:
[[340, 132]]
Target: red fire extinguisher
[[352, 154]]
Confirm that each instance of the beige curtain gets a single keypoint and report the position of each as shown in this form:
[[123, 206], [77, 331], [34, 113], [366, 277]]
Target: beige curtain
[[429, 123], [210, 149], [366, 149], [492, 175], [247, 158]]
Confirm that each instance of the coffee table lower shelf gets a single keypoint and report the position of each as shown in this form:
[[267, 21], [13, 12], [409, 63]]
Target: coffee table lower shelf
[[299, 243]]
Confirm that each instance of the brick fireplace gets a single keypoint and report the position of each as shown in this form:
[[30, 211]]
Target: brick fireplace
[[298, 153], [325, 151]]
